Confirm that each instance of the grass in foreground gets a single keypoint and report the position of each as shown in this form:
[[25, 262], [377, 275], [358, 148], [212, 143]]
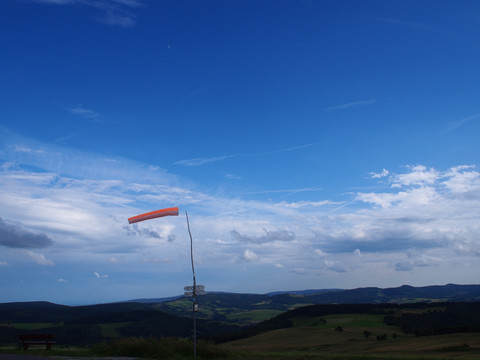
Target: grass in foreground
[[166, 348], [297, 343]]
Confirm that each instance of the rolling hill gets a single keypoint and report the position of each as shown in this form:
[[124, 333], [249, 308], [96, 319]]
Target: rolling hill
[[247, 309], [220, 313]]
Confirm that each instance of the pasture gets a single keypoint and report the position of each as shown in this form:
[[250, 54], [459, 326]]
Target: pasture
[[356, 336]]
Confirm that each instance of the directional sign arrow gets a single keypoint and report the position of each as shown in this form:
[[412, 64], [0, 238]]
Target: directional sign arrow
[[190, 288]]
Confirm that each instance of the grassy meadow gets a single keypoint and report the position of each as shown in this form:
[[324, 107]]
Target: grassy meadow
[[354, 336], [329, 337], [245, 327]]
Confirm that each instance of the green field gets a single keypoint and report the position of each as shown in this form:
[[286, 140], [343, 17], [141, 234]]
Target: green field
[[35, 326], [252, 316], [324, 331], [344, 335], [110, 330]]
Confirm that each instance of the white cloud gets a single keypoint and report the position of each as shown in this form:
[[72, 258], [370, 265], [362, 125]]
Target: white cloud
[[62, 280], [379, 175], [97, 275], [320, 253], [86, 113], [430, 214], [233, 177], [40, 259], [3, 263], [249, 255], [301, 204], [351, 105], [418, 176], [462, 179], [56, 2], [334, 266], [202, 161], [418, 259], [114, 12], [207, 160], [20, 149], [457, 124]]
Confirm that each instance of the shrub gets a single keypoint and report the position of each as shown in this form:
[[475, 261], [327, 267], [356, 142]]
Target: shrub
[[382, 337], [367, 333]]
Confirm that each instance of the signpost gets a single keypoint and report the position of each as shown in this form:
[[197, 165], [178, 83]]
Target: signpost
[[200, 290], [192, 291]]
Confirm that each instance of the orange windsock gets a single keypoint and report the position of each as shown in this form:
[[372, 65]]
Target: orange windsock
[[154, 214]]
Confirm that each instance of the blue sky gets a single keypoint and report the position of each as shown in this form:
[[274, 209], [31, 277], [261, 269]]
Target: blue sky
[[314, 144]]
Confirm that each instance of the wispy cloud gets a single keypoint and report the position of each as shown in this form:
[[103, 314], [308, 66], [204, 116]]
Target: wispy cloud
[[233, 177], [303, 204], [100, 276], [351, 105], [293, 148], [86, 113], [427, 217], [292, 191], [457, 124], [203, 161], [114, 12], [24, 149]]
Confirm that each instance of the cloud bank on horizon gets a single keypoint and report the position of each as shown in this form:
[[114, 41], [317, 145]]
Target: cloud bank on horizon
[[313, 146], [421, 221]]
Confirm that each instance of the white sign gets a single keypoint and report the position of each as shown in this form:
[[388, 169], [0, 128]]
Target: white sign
[[198, 292], [190, 288]]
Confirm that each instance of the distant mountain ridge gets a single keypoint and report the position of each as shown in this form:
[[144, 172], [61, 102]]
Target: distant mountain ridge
[[302, 292], [374, 295], [402, 294], [220, 313], [156, 300], [246, 308]]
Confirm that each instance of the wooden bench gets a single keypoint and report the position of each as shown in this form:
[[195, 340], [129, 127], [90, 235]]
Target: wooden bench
[[25, 340]]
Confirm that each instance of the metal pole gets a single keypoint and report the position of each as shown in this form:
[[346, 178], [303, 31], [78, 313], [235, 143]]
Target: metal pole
[[194, 332], [195, 305]]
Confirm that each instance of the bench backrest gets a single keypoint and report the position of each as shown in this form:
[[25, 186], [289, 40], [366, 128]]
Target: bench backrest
[[32, 337]]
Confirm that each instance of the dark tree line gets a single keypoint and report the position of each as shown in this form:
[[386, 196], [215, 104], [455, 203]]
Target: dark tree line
[[436, 320]]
